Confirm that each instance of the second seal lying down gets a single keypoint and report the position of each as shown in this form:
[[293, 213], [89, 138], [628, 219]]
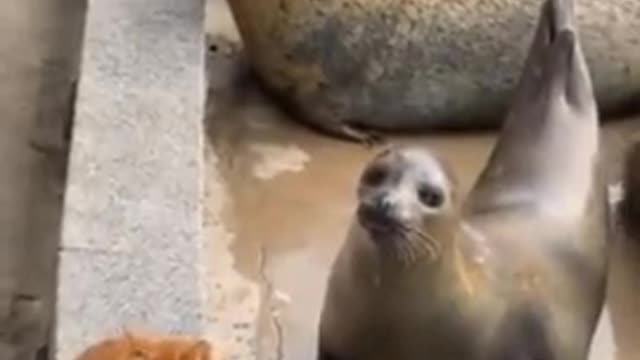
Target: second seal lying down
[[517, 271]]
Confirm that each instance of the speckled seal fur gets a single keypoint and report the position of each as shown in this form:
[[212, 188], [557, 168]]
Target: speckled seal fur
[[421, 64]]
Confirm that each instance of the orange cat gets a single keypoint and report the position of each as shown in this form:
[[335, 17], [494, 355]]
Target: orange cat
[[138, 347]]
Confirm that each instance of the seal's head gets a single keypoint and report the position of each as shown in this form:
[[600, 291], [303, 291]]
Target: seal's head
[[406, 200]]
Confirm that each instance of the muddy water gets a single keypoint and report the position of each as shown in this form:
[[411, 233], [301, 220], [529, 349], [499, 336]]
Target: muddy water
[[290, 197]]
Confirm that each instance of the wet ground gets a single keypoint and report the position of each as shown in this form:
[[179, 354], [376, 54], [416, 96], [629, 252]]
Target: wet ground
[[289, 198]]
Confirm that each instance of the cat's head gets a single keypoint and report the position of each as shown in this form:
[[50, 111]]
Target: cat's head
[[167, 348], [138, 347]]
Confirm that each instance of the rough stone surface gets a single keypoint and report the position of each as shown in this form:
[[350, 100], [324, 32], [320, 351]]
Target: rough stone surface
[[132, 227]]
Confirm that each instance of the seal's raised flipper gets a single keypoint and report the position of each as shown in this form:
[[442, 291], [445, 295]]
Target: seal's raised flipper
[[552, 126], [573, 73], [566, 68], [554, 16], [555, 65], [328, 121]]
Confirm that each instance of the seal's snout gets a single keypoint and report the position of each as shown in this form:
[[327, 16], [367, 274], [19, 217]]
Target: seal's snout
[[380, 209], [378, 213]]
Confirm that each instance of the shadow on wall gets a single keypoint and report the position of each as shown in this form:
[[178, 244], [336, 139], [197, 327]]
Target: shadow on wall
[[55, 43]]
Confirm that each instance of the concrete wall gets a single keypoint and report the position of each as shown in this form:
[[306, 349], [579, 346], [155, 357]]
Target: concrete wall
[[38, 57]]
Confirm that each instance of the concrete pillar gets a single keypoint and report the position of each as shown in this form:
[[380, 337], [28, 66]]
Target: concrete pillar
[[131, 234]]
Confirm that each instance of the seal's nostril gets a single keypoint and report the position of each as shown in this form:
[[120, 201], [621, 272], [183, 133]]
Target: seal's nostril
[[378, 212], [383, 206]]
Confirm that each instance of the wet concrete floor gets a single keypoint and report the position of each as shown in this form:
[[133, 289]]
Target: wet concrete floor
[[290, 196]]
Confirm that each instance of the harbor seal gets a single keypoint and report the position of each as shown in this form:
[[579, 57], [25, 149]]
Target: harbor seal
[[514, 270], [352, 66]]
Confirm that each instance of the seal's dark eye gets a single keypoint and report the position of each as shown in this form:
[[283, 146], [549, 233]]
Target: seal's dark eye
[[375, 176], [430, 196]]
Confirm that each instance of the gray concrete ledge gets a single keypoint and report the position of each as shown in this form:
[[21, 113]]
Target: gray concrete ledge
[[131, 235]]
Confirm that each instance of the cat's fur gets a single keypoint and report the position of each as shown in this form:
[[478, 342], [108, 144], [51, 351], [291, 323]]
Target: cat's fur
[[131, 346]]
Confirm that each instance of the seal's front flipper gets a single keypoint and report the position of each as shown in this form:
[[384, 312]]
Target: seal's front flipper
[[556, 17], [569, 73], [560, 63], [564, 68], [369, 138], [347, 132], [552, 125], [337, 127]]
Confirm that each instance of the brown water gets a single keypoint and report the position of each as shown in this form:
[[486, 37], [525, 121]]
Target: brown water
[[290, 196]]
